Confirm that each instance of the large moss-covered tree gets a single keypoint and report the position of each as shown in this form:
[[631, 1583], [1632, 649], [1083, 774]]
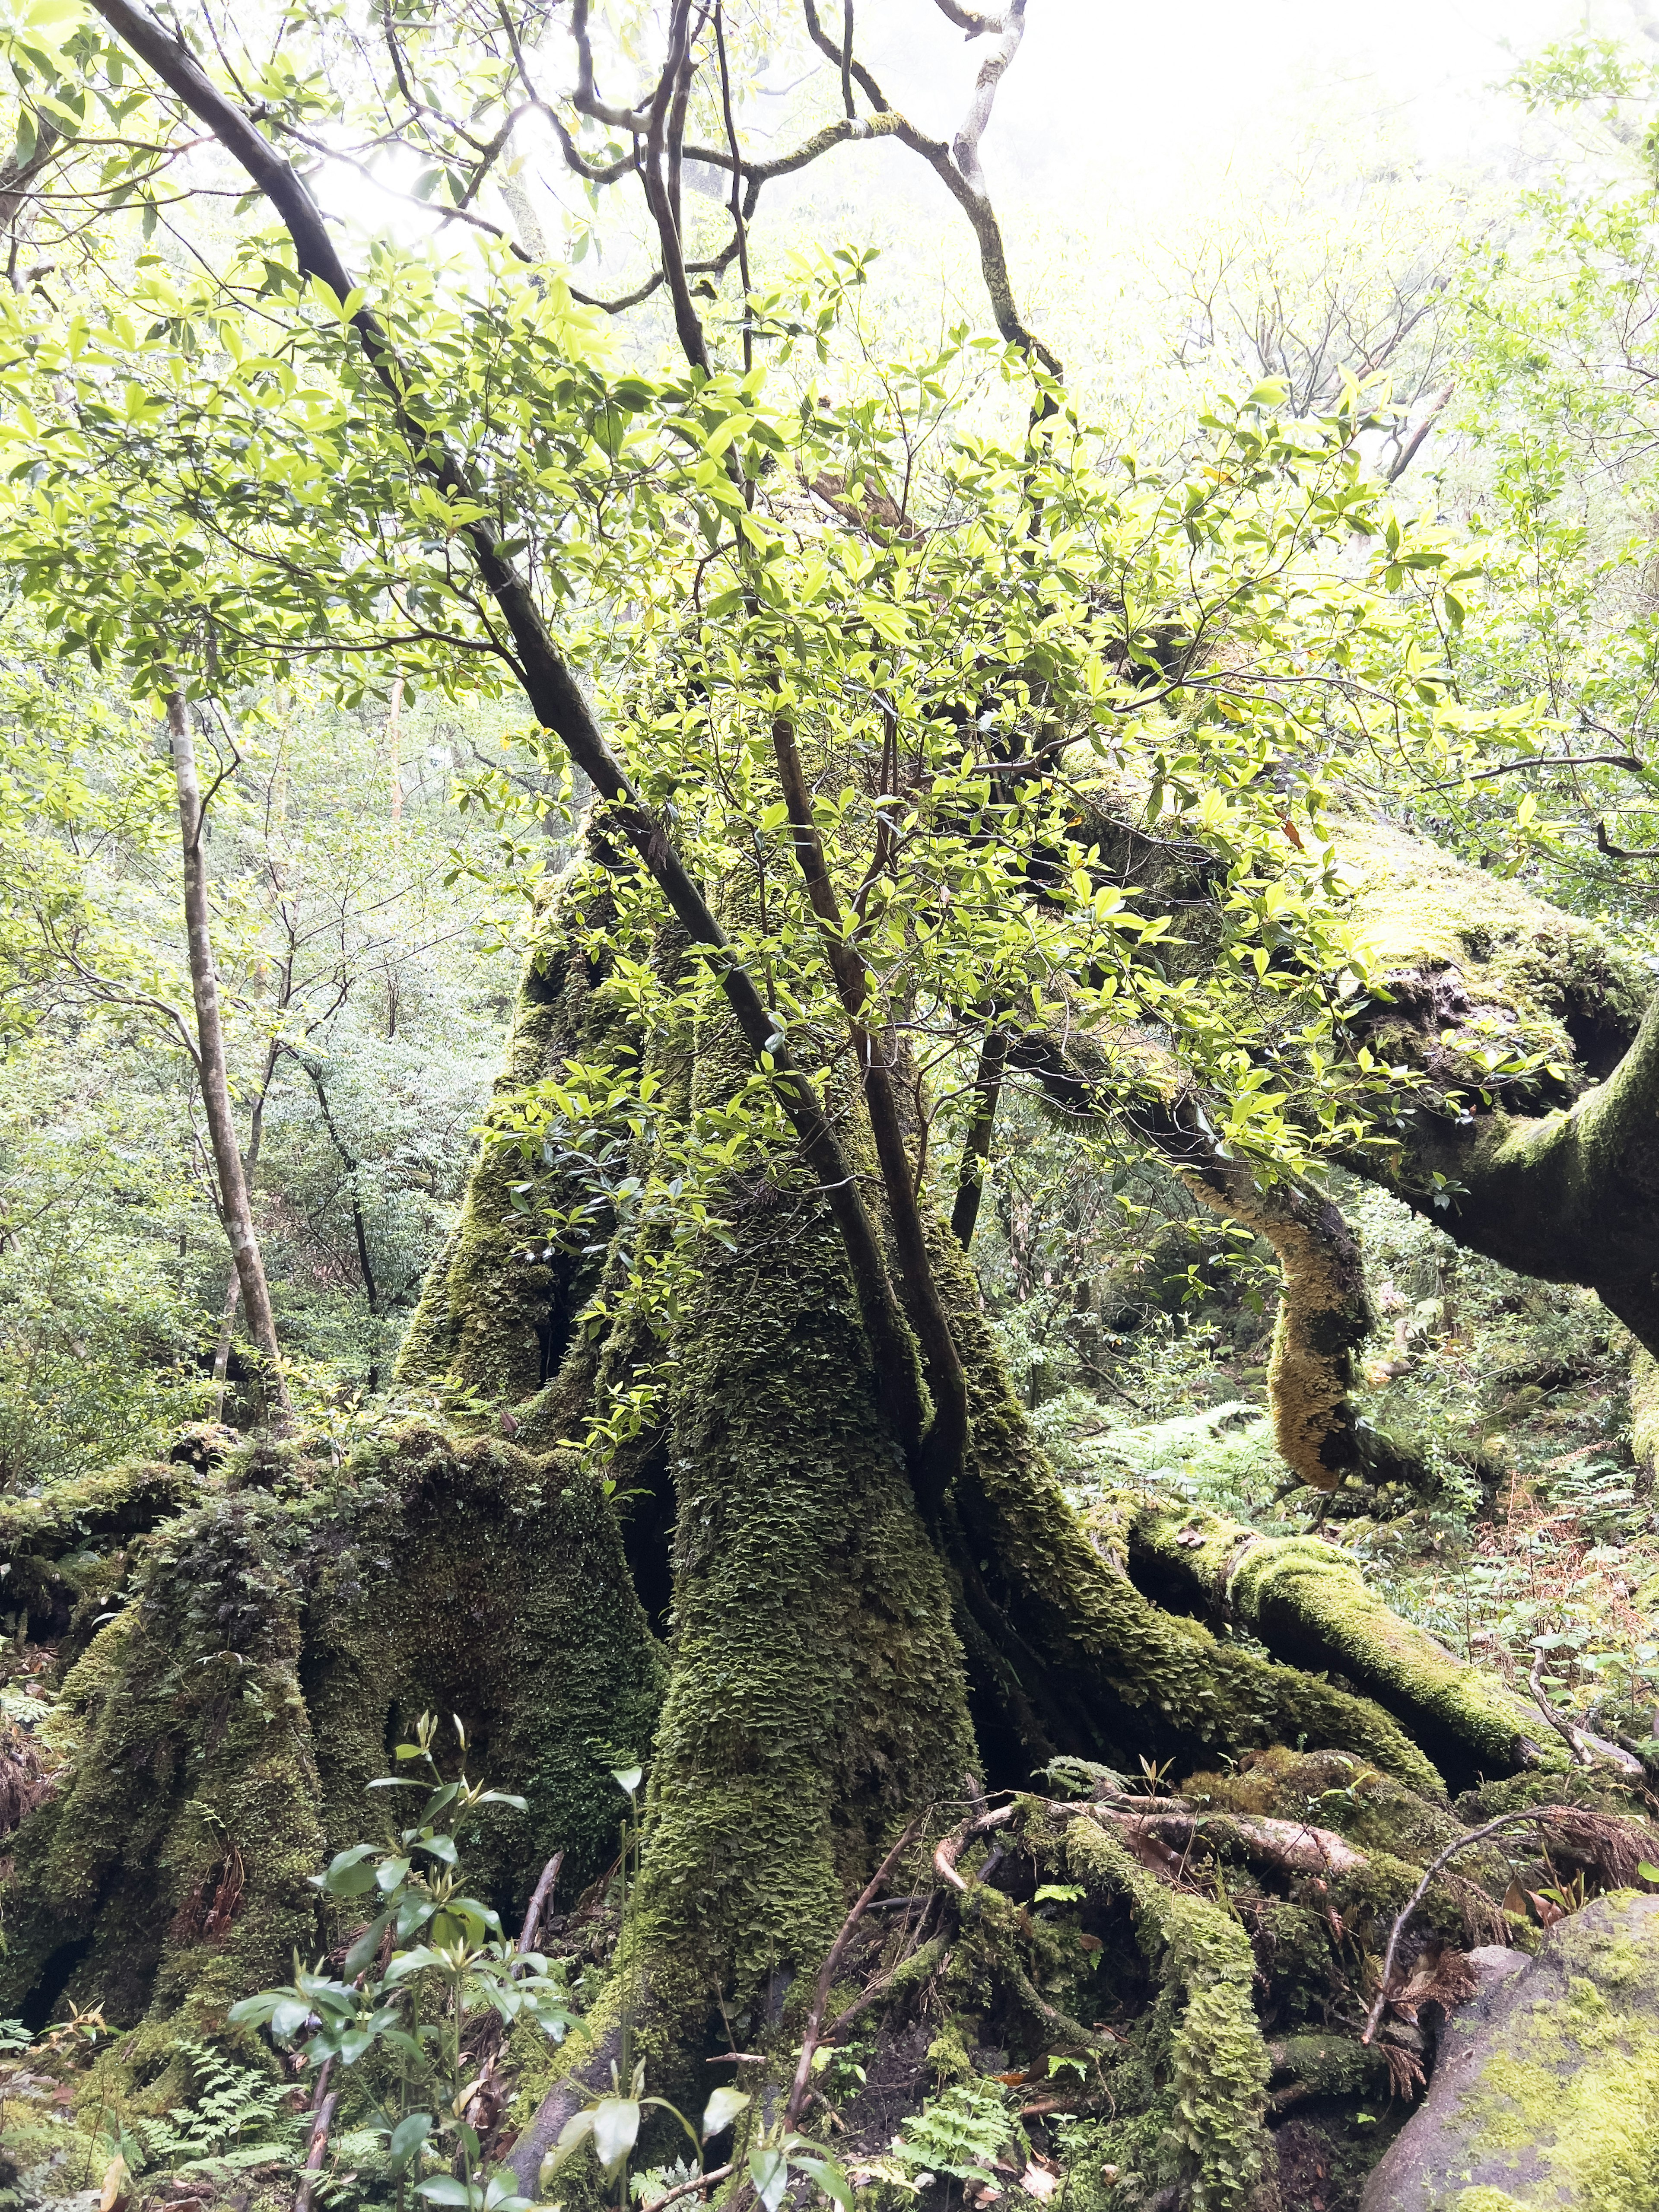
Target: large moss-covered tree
[[922, 759]]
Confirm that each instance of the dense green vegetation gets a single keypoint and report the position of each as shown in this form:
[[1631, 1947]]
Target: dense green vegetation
[[875, 1067]]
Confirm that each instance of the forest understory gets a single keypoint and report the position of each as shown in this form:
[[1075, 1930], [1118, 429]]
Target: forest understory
[[1105, 1988], [829, 1125]]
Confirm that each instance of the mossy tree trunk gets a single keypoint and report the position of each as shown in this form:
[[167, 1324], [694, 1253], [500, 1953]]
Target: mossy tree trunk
[[806, 1657]]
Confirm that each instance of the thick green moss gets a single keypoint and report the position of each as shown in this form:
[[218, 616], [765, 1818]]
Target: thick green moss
[[1218, 2064], [1514, 972], [472, 1578], [275, 1644], [1310, 1604], [818, 1694], [170, 1870]]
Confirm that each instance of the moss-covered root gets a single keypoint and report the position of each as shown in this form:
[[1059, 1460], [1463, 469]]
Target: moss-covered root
[[1309, 1604], [1218, 2064], [1068, 1655]]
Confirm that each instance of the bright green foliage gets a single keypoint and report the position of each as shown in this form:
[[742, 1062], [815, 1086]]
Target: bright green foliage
[[445, 1959], [238, 2117], [959, 2133]]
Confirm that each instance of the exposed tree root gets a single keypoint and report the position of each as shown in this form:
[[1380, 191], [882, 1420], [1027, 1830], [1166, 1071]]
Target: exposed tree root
[[1309, 1603]]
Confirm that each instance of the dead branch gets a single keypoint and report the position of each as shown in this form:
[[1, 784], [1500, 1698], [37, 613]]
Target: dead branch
[[949, 1848], [684, 2188], [813, 2034], [1546, 1817], [1292, 1846], [537, 1904], [318, 2147]]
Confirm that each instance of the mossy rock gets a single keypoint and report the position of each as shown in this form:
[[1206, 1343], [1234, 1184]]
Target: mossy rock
[[1546, 2092]]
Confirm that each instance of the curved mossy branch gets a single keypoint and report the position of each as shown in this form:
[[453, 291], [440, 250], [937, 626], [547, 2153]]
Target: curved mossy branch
[[1325, 1312], [1572, 1196], [1309, 1604], [1205, 2018], [1553, 1171]]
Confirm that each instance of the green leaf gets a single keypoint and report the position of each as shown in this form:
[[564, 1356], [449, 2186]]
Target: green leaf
[[358, 1957], [445, 2190], [572, 2136], [408, 2137], [722, 2108], [1058, 1892], [616, 2130], [768, 2169], [831, 2177], [347, 1874]]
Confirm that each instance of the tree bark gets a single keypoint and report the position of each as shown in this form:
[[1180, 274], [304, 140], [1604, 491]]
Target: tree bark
[[234, 1210]]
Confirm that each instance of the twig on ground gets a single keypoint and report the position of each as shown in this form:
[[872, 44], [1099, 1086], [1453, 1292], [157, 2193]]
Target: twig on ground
[[949, 1848], [684, 2188], [539, 1897], [1540, 1818], [810, 2040]]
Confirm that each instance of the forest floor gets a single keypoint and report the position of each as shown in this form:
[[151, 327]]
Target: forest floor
[[1529, 1533]]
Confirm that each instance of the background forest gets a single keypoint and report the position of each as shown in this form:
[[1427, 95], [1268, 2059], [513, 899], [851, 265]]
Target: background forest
[[1422, 336]]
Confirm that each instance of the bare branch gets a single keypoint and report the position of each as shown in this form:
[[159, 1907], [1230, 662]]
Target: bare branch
[[967, 18]]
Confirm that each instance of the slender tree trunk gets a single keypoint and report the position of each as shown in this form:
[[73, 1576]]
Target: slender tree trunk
[[976, 1149], [234, 1286], [394, 746], [216, 1087], [222, 1349]]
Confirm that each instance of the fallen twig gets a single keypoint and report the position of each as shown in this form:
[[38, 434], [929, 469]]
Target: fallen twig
[[684, 2188], [810, 2040], [949, 1848], [539, 1897], [876, 1989], [1562, 1727], [1540, 1818]]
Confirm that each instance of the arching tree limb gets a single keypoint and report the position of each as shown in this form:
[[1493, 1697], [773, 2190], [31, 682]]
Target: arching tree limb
[[1310, 1605], [1553, 1171]]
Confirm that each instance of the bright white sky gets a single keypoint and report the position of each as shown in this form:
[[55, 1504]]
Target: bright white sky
[[1145, 99]]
